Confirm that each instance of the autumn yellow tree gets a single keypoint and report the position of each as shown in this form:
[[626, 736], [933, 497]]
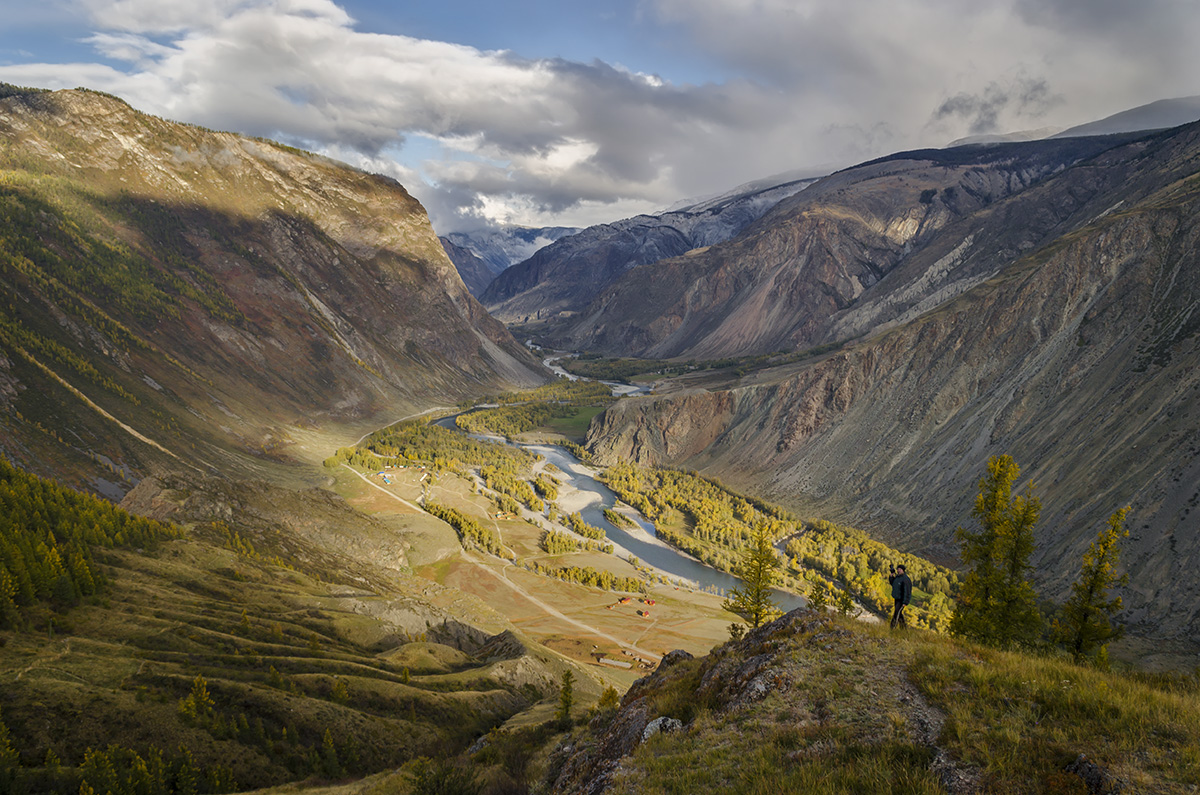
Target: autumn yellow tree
[[997, 603], [753, 600], [1086, 624]]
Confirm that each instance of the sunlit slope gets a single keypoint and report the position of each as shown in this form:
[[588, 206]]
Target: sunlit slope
[[255, 639], [177, 296], [811, 703]]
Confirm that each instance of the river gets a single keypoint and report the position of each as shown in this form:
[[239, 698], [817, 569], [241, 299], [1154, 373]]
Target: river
[[642, 542]]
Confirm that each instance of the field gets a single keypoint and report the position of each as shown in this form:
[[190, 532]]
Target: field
[[580, 622]]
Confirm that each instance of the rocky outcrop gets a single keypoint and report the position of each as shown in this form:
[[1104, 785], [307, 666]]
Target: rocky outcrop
[[794, 661], [1077, 356]]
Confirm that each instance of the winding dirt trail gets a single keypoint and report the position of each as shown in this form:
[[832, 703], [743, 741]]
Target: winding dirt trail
[[548, 609]]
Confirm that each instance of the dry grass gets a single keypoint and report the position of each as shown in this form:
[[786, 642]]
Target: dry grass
[[843, 707]]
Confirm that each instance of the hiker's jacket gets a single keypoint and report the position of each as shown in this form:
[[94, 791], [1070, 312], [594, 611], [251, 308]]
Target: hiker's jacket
[[902, 588]]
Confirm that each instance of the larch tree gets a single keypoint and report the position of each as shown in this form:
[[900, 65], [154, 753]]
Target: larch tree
[[997, 603], [566, 699], [759, 567], [1086, 624]]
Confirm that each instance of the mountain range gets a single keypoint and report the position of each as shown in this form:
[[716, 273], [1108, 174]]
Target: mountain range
[[481, 255], [561, 278], [1035, 299]]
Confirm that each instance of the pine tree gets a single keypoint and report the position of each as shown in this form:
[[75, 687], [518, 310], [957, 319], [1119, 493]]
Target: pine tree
[[566, 699], [845, 603], [340, 693], [997, 603], [753, 601], [330, 766], [818, 594], [9, 760], [1086, 623]]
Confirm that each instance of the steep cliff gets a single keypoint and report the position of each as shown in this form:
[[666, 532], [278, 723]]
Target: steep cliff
[[182, 296], [1070, 342]]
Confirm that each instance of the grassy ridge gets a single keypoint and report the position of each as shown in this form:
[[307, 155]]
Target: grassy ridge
[[215, 665], [850, 708]]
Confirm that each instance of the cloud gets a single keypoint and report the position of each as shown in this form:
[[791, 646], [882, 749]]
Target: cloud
[[492, 135], [545, 135], [1026, 99], [935, 67]]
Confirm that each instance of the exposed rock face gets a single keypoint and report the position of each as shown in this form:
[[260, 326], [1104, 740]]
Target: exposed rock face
[[1072, 345], [475, 273], [175, 294], [563, 277], [782, 658], [859, 248]]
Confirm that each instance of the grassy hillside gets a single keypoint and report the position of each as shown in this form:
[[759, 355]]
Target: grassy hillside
[[241, 651], [816, 703]]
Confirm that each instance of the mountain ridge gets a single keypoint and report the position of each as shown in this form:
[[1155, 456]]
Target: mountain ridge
[[215, 294], [561, 278]]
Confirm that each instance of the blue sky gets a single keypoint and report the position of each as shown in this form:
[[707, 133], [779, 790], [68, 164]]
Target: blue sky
[[580, 112]]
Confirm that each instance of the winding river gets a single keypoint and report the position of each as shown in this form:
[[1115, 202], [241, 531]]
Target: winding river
[[641, 542]]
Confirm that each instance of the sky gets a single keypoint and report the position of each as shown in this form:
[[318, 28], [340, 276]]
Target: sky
[[572, 113]]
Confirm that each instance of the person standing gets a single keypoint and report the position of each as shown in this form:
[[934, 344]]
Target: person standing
[[901, 593]]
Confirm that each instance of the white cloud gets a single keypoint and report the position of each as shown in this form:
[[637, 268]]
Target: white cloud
[[499, 136]]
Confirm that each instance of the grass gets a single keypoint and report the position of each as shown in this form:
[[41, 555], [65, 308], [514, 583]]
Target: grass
[[1022, 717], [575, 427], [342, 642], [824, 704], [130, 658]]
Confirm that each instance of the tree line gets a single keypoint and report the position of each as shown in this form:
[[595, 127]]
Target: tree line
[[507, 482], [411, 441], [998, 603], [708, 521], [47, 532], [469, 531], [586, 575], [562, 390]]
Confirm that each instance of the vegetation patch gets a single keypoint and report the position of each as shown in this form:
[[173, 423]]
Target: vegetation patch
[[703, 518]]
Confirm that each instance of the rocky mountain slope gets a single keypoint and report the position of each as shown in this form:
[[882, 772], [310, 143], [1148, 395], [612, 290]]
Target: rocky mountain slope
[[474, 272], [562, 278], [182, 297], [503, 246], [1056, 325], [825, 264]]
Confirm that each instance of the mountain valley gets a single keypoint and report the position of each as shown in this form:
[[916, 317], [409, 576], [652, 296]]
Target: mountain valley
[[289, 509], [1054, 324]]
